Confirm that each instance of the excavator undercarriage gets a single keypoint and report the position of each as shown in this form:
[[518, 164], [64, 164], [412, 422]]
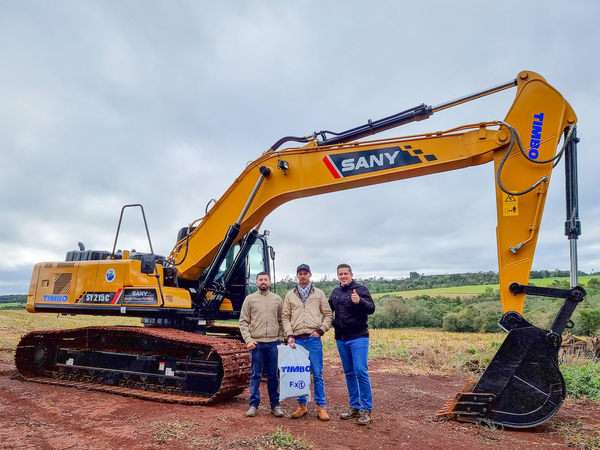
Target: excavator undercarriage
[[165, 365]]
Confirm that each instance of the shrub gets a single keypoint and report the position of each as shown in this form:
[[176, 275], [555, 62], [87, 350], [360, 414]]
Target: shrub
[[400, 314], [594, 283], [464, 320], [379, 319], [589, 320], [582, 380], [394, 314]]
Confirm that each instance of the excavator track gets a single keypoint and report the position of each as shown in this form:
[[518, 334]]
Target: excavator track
[[159, 364]]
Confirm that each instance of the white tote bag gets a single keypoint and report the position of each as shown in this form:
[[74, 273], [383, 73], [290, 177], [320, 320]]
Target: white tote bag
[[294, 372]]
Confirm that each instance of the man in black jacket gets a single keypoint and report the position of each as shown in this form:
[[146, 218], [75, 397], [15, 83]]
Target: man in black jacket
[[351, 304]]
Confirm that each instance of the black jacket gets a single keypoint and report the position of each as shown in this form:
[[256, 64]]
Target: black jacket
[[350, 319]]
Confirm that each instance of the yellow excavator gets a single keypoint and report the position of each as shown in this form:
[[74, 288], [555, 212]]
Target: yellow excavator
[[181, 354]]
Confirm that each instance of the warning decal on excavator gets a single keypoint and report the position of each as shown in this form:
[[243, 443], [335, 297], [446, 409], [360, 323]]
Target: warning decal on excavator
[[510, 206]]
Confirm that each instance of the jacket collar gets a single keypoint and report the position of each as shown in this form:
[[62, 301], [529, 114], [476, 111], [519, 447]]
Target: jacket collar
[[312, 289], [351, 284]]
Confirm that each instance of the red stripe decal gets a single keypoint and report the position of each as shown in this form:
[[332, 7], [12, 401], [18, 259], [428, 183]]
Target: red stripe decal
[[117, 297], [331, 167]]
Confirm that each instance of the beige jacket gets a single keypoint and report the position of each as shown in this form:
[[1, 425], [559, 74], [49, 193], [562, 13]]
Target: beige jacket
[[300, 318], [260, 318]]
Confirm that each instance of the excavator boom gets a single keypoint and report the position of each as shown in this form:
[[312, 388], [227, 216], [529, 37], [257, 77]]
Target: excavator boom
[[539, 115]]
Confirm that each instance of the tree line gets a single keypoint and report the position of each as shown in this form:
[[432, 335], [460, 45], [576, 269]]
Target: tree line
[[13, 299], [481, 313], [478, 313], [416, 281]]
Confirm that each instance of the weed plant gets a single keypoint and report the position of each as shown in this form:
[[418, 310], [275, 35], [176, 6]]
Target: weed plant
[[582, 379], [285, 440]]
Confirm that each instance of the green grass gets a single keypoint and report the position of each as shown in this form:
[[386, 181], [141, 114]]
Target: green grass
[[12, 304], [21, 319], [477, 289], [444, 291], [409, 350], [285, 440], [582, 380]]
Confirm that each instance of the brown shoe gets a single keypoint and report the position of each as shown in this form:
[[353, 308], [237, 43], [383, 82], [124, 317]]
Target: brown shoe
[[322, 413], [365, 418], [352, 412], [300, 412]]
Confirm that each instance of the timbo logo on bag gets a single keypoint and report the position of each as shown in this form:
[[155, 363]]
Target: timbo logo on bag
[[295, 369]]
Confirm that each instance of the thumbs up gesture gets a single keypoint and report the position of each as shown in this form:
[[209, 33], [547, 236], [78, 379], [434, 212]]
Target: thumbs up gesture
[[355, 298]]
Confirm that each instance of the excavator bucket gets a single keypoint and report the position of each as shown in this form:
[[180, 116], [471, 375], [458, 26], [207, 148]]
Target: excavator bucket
[[521, 388]]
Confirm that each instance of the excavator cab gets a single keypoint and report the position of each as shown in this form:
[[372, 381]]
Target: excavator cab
[[238, 279]]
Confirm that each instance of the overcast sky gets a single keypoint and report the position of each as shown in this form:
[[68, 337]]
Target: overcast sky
[[106, 103]]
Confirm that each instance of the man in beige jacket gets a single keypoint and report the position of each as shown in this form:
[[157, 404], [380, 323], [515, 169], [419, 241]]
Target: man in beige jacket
[[260, 325], [306, 317]]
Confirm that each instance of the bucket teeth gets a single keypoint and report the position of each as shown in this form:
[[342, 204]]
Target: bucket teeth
[[446, 410]]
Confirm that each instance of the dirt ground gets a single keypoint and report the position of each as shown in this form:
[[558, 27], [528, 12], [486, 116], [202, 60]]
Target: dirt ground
[[36, 416]]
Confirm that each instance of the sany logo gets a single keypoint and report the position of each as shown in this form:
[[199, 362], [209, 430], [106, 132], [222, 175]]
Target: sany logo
[[355, 163]]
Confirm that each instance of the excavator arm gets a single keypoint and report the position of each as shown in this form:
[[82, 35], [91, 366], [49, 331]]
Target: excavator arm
[[522, 147]]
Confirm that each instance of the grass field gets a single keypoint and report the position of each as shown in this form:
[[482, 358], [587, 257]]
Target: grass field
[[445, 291], [11, 305], [408, 350], [477, 289], [427, 351]]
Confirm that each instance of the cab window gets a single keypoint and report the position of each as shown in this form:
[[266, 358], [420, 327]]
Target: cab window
[[256, 264]]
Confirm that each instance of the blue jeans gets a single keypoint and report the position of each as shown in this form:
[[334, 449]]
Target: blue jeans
[[315, 350], [353, 354], [264, 354]]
